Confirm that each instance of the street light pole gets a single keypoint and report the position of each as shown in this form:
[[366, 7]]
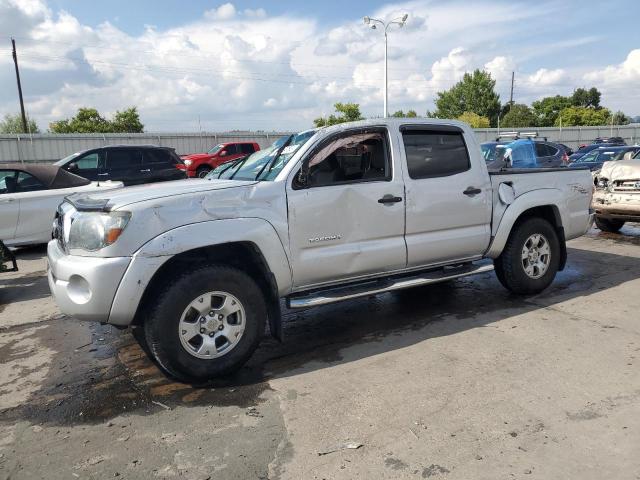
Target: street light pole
[[396, 21]]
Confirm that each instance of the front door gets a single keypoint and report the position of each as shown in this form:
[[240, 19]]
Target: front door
[[348, 220], [448, 197], [87, 166]]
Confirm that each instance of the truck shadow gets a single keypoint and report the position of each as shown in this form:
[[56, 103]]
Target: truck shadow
[[111, 375]]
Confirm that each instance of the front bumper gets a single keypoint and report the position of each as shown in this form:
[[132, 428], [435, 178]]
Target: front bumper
[[84, 287], [616, 205]]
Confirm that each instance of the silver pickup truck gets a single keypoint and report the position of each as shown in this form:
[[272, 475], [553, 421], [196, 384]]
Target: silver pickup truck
[[198, 267]]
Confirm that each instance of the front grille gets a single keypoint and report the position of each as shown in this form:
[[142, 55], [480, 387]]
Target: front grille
[[627, 186]]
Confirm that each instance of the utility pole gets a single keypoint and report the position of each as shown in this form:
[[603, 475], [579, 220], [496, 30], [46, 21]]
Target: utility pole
[[513, 75], [15, 61]]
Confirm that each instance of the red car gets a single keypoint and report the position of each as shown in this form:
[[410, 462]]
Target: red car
[[199, 164]]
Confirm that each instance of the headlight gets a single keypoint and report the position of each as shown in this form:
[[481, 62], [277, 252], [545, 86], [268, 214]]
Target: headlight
[[603, 183], [92, 231], [188, 162]]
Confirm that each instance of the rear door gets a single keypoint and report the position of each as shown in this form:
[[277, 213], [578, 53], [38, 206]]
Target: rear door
[[124, 165], [9, 205], [548, 155], [448, 196], [348, 221], [159, 165]]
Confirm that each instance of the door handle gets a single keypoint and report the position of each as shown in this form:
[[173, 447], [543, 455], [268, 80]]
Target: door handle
[[103, 174], [471, 191], [145, 170], [389, 199]]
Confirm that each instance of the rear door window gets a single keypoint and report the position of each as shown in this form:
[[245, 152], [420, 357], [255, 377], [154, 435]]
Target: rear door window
[[123, 159], [158, 159], [435, 153], [247, 148]]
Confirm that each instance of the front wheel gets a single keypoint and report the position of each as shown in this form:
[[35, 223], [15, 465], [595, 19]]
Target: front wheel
[[530, 259], [206, 323], [610, 225], [202, 172]]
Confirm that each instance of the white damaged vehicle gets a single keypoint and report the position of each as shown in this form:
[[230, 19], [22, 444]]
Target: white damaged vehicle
[[29, 198], [617, 197], [199, 267]]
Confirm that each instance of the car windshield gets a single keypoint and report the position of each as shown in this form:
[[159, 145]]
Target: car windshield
[[65, 160], [260, 165], [488, 151], [215, 149]]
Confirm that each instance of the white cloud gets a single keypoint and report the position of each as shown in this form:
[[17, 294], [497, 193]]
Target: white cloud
[[225, 11], [249, 69]]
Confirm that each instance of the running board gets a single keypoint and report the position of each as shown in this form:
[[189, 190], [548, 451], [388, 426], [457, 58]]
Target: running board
[[338, 294]]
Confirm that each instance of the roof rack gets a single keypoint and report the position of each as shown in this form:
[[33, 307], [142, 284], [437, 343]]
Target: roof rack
[[518, 135]]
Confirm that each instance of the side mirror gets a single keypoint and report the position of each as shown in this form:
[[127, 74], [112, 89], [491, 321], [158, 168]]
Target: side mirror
[[73, 166], [223, 153], [302, 179]]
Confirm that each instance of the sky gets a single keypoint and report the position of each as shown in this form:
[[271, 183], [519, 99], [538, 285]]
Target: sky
[[259, 65]]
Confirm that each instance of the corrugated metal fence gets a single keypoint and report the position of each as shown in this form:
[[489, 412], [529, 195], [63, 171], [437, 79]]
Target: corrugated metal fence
[[51, 147]]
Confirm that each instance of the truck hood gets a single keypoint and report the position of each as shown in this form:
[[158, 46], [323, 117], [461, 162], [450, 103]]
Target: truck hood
[[621, 170], [197, 156], [116, 199]]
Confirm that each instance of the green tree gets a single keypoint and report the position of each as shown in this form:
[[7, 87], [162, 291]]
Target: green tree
[[583, 116], [474, 93], [89, 120], [518, 116], [127, 121], [401, 114], [348, 112], [547, 109], [586, 98], [475, 120], [13, 124], [619, 118]]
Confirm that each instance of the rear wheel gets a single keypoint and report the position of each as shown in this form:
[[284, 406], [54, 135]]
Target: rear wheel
[[207, 323], [609, 224], [202, 172], [531, 257]]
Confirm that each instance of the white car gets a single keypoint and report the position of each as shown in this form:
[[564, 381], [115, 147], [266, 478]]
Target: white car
[[29, 198]]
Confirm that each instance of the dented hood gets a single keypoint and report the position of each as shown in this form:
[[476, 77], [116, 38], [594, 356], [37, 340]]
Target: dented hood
[[621, 170], [113, 200]]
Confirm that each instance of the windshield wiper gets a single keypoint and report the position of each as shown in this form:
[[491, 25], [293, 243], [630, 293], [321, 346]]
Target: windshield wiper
[[238, 164], [275, 158]]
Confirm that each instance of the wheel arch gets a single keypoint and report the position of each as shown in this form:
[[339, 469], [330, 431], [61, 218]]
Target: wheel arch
[[243, 255], [539, 204]]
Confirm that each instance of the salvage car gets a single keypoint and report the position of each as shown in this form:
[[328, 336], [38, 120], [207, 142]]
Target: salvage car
[[617, 197], [524, 153], [199, 267], [129, 164], [30, 195], [597, 157], [200, 164]]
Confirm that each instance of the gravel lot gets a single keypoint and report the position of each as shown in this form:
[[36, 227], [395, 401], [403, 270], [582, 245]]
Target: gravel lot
[[455, 381]]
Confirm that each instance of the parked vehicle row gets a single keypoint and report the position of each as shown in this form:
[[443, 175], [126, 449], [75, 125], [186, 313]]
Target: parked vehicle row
[[200, 164], [511, 150]]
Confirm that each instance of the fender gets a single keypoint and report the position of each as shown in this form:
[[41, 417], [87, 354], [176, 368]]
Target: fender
[[152, 255], [536, 198]]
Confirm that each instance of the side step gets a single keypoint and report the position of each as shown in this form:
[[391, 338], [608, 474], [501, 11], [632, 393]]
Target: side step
[[373, 287]]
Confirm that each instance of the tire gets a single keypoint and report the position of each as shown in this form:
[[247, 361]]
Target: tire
[[611, 225], [511, 267], [202, 172], [137, 332], [166, 327]]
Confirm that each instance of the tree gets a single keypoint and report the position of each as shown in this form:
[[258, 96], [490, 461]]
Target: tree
[[518, 116], [401, 114], [586, 98], [619, 118], [474, 93], [475, 120], [13, 124], [349, 112], [127, 121], [547, 109], [583, 116], [89, 120]]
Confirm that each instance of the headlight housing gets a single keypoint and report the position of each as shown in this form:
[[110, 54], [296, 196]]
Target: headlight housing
[[92, 231], [603, 183], [188, 162]]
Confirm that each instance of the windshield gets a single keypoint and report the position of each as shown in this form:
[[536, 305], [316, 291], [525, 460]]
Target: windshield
[[259, 165], [63, 162], [488, 151], [215, 149]]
